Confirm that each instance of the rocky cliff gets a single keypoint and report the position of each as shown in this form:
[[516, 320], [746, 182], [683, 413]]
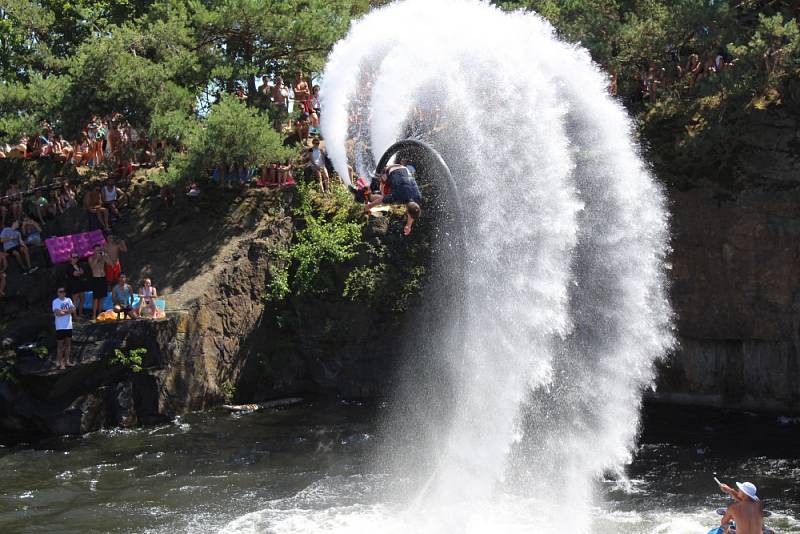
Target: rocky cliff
[[736, 277]]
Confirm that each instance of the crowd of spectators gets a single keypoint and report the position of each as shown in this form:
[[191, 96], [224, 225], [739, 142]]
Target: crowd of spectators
[[678, 75], [673, 74], [110, 141]]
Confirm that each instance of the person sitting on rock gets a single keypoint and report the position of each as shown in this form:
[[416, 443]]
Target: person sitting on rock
[[93, 203], [193, 191], [67, 196], [31, 231], [14, 245], [14, 199], [122, 297], [398, 187], [112, 196], [147, 301]]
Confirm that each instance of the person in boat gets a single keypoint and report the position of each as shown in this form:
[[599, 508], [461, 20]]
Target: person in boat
[[746, 511], [398, 186]]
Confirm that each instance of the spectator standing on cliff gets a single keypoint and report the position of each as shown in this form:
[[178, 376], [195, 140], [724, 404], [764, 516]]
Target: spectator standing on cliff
[[98, 284], [279, 96], [302, 95], [63, 310], [75, 281], [112, 249], [317, 163]]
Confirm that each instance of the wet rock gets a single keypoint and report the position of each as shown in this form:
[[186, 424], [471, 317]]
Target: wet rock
[[123, 409], [90, 411]]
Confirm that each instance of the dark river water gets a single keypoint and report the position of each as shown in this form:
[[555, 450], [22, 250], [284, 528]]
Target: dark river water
[[306, 468]]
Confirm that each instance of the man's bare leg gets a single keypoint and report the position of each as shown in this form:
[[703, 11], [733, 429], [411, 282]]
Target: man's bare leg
[[67, 350]]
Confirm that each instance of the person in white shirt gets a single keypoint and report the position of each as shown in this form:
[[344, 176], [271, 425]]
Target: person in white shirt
[[63, 310], [316, 160], [112, 196]]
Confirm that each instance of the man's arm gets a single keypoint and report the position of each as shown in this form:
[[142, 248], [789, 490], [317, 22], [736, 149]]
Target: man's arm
[[726, 519]]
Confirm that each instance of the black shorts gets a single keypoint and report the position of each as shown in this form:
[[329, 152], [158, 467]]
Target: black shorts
[[99, 287], [64, 334], [12, 249]]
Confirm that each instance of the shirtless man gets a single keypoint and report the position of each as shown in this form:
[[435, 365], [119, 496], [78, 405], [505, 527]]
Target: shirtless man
[[746, 511], [279, 95], [301, 92], [112, 249], [93, 203], [98, 284]]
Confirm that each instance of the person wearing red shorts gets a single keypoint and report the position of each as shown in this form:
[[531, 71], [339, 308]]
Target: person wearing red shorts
[[112, 249]]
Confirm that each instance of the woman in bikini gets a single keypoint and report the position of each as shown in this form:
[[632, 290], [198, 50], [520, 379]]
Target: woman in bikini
[[147, 300]]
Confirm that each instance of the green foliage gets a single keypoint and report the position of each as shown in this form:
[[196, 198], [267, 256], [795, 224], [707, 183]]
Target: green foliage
[[7, 372], [382, 282], [41, 352], [132, 359], [693, 130], [235, 134], [232, 134], [330, 237], [228, 391], [63, 61]]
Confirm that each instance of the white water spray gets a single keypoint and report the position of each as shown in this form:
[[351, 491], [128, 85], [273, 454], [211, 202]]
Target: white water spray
[[566, 241]]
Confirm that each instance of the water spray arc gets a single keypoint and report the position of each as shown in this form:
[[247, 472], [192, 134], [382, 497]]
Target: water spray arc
[[557, 234]]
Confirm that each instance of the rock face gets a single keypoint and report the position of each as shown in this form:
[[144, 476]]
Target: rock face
[[736, 295], [221, 339]]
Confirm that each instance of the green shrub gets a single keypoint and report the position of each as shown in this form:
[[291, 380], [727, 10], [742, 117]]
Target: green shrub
[[7, 372], [228, 391], [132, 360], [331, 234]]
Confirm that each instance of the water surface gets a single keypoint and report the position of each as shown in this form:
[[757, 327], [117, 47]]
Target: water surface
[[307, 468]]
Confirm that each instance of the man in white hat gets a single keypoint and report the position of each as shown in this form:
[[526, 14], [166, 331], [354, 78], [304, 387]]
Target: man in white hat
[[746, 511]]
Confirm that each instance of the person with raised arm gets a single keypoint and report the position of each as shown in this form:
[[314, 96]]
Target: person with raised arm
[[747, 511]]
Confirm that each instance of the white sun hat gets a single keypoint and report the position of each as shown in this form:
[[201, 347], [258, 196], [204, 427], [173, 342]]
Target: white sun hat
[[748, 488]]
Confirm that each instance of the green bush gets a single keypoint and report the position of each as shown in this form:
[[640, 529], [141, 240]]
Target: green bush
[[332, 227], [132, 360]]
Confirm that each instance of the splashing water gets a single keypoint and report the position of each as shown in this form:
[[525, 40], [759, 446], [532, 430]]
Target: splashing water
[[566, 234]]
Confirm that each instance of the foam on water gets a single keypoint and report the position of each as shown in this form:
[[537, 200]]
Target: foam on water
[[567, 236]]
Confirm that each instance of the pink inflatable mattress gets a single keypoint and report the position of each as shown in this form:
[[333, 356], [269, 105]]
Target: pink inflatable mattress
[[60, 248]]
